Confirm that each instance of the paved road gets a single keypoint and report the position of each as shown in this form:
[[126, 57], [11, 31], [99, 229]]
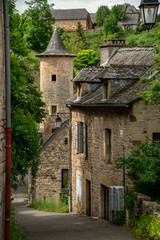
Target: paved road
[[39, 225]]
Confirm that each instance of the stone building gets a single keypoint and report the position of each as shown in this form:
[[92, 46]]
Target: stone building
[[108, 118], [131, 19], [56, 73], [68, 18], [2, 123], [52, 175]]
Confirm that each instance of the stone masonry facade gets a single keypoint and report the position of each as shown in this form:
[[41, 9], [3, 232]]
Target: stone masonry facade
[[128, 127], [2, 124], [71, 25], [55, 92], [53, 159]]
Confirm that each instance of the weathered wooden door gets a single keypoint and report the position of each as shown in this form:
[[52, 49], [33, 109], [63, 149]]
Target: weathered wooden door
[[88, 197], [105, 202]]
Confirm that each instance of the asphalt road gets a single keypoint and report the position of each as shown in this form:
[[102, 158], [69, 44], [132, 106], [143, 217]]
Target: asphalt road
[[38, 225]]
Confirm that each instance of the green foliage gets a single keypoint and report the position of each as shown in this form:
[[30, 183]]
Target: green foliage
[[129, 199], [119, 218], [119, 12], [60, 31], [147, 227], [110, 25], [38, 24], [15, 234], [26, 145], [101, 14], [85, 58], [143, 168], [50, 206], [64, 198], [17, 42], [152, 95]]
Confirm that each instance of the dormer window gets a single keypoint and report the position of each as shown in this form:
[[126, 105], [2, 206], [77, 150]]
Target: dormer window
[[106, 90]]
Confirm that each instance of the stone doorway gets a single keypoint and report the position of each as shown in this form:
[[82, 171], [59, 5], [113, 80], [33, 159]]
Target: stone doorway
[[88, 197], [104, 202]]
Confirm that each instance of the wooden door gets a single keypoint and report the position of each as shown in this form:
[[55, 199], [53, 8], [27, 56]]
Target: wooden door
[[88, 197]]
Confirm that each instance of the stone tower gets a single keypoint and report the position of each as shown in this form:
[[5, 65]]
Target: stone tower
[[56, 73]]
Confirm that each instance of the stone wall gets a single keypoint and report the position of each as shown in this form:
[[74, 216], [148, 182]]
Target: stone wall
[[128, 127], [71, 25], [54, 157], [143, 204], [2, 125], [55, 92]]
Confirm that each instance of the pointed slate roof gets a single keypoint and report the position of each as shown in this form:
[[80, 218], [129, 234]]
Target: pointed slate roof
[[56, 47]]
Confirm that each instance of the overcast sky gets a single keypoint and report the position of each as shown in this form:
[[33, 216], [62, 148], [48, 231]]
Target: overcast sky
[[90, 5]]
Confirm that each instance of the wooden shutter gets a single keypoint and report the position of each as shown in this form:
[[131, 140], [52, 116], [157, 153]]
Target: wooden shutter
[[84, 139], [79, 187], [76, 137]]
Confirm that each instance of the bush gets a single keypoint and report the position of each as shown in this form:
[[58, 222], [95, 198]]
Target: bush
[[143, 168], [147, 227], [119, 218]]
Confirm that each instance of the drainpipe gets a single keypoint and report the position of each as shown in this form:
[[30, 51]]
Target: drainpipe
[[8, 122], [70, 171]]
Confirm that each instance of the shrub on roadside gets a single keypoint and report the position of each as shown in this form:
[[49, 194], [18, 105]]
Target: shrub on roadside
[[50, 205]]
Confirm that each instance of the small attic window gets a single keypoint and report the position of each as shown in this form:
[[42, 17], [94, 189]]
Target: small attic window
[[53, 78]]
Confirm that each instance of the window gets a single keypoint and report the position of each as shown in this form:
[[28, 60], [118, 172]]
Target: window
[[65, 178], [79, 187], [108, 145], [81, 138], [53, 78], [130, 26], [53, 110], [156, 139]]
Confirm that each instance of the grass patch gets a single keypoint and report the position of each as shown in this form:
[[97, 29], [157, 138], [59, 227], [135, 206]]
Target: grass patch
[[50, 206], [15, 233]]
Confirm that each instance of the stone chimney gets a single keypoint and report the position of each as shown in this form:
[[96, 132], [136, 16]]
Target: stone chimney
[[110, 46]]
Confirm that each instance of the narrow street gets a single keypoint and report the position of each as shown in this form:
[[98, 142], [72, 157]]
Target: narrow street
[[38, 225]]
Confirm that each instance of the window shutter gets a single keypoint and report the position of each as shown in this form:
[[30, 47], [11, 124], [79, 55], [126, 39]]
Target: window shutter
[[76, 137], [85, 140], [79, 187]]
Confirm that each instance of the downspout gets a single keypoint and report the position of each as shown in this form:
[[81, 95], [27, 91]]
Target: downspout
[[8, 122], [70, 170]]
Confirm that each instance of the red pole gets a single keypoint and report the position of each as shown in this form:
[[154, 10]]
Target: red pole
[[8, 183]]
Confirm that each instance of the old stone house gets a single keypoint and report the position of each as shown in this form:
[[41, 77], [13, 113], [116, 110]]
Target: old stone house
[[108, 118], [56, 73], [68, 18], [52, 176], [2, 123], [131, 19]]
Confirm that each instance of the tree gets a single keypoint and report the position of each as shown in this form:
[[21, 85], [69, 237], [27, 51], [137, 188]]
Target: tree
[[17, 42], [119, 12], [39, 22], [110, 25], [85, 58], [152, 95], [27, 112], [143, 168], [101, 14]]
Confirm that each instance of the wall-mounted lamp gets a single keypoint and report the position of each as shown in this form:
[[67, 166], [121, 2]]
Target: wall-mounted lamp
[[149, 9]]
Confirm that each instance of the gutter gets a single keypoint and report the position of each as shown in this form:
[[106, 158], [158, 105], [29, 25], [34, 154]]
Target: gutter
[[70, 166], [99, 105], [8, 129]]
